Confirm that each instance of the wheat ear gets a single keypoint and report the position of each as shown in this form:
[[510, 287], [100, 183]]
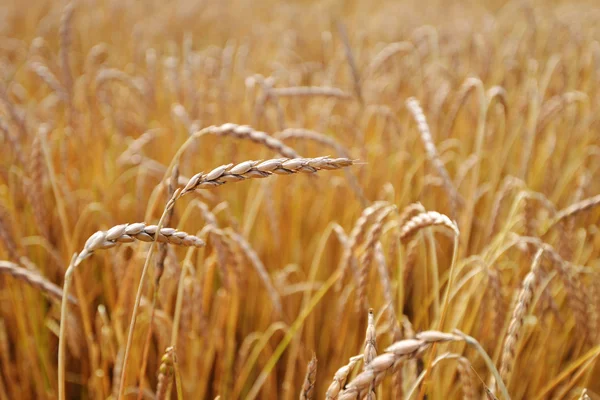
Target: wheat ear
[[516, 323], [351, 61], [308, 387], [417, 112], [262, 169], [65, 46], [355, 237], [387, 53], [575, 209], [165, 374], [127, 233], [366, 259], [49, 79], [398, 351], [310, 91], [424, 220], [34, 279]]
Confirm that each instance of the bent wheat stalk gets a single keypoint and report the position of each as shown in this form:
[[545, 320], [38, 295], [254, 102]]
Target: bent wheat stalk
[[423, 220]]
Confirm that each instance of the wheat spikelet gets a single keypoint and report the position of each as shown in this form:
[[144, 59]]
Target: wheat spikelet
[[7, 235], [132, 152], [555, 105], [262, 169], [165, 374], [351, 62], [424, 220], [508, 183], [13, 142], [355, 237], [311, 91], [96, 56], [576, 297], [407, 213], [584, 395], [575, 209], [248, 133], [37, 173], [127, 233], [317, 137], [417, 113], [466, 88], [387, 53], [50, 79], [466, 379], [509, 350], [498, 308], [380, 365], [373, 237], [106, 75], [308, 387], [340, 377], [33, 279]]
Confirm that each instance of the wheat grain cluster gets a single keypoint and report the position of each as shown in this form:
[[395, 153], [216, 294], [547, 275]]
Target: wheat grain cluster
[[308, 199]]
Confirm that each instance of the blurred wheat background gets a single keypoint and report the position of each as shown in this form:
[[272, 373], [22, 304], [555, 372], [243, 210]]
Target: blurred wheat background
[[456, 200]]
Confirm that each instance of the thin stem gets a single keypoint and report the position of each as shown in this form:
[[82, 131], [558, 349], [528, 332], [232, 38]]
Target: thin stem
[[443, 315], [138, 297], [62, 329]]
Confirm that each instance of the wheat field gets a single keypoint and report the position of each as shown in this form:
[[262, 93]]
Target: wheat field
[[308, 199]]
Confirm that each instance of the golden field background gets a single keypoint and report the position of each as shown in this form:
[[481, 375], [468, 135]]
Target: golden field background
[[97, 97]]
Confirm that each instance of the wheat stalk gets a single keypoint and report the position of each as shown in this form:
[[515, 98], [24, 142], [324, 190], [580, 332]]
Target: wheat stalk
[[370, 351]]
